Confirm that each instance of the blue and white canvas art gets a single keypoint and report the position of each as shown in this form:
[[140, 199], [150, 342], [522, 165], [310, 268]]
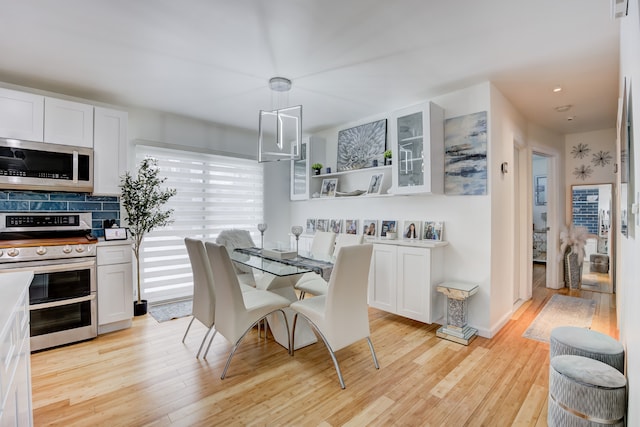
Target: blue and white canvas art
[[465, 156]]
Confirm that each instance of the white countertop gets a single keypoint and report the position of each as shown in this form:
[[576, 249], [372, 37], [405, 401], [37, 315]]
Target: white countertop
[[11, 287]]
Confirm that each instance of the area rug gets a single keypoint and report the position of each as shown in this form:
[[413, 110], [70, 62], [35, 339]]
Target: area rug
[[172, 310], [561, 310]]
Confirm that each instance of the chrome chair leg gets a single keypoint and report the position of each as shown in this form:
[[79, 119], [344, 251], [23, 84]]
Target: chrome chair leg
[[373, 353], [209, 346], [188, 327], [203, 341]]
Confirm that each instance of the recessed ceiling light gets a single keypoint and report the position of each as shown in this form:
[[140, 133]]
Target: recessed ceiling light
[[571, 118], [563, 108], [557, 89]]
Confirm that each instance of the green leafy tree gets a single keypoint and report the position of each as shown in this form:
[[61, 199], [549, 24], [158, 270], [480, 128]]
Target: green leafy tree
[[143, 199]]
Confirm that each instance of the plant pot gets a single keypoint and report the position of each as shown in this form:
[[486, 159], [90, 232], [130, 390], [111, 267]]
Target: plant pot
[[387, 162], [316, 171], [141, 308]]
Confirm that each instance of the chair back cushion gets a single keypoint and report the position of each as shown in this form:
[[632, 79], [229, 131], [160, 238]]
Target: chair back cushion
[[235, 238], [203, 293], [229, 302], [323, 242], [346, 310], [343, 239]]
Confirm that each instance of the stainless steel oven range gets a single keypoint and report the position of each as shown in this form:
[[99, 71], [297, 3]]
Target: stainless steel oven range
[[60, 250]]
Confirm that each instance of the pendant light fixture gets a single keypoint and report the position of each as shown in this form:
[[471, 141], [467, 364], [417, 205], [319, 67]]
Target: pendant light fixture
[[279, 130]]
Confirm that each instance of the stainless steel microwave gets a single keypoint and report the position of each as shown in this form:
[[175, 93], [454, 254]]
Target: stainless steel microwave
[[28, 165]]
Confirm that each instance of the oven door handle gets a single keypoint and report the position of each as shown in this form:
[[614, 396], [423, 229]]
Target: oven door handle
[[62, 302], [44, 267]]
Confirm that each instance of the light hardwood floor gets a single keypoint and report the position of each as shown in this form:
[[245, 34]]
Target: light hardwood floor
[[146, 376]]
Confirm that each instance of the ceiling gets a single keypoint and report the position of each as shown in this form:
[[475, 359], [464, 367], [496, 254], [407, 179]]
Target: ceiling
[[348, 59]]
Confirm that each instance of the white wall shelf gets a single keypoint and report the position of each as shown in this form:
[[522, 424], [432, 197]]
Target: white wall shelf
[[377, 169]]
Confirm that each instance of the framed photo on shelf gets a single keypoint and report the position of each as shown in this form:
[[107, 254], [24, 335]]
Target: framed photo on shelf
[[311, 226], [370, 228], [388, 226], [375, 184], [433, 230], [411, 230], [351, 226], [335, 225], [328, 188], [322, 224]]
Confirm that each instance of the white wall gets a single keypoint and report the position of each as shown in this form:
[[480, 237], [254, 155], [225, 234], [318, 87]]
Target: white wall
[[628, 290]]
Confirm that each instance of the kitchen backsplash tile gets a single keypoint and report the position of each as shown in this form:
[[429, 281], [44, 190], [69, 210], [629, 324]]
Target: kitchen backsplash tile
[[101, 207]]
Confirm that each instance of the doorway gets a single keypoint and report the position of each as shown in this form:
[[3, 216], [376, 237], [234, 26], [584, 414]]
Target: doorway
[[539, 216]]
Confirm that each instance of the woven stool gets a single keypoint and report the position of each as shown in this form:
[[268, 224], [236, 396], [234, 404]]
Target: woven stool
[[587, 343], [585, 392]]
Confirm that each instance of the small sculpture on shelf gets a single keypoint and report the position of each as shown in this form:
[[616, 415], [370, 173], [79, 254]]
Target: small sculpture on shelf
[[317, 167]]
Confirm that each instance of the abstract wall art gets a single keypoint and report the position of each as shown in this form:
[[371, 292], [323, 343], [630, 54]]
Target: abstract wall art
[[465, 162]]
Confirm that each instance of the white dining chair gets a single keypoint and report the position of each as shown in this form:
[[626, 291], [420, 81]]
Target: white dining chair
[[314, 284], [203, 306], [237, 238], [238, 312], [341, 316], [321, 246]]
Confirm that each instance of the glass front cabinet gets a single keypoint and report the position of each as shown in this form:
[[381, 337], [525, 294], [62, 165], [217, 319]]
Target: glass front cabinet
[[418, 149], [311, 151]]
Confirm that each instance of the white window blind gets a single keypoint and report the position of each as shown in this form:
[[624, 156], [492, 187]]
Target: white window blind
[[213, 193]]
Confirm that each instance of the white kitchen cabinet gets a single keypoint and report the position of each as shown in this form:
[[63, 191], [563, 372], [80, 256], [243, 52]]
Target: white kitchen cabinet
[[68, 122], [403, 279], [21, 115], [15, 354], [312, 150], [115, 285], [110, 150], [418, 149]]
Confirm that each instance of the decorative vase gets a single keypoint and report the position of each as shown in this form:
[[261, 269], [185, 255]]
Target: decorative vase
[[141, 308], [572, 270]]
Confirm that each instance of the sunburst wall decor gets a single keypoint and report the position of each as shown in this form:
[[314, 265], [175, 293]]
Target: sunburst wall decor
[[602, 158], [583, 172], [580, 151]]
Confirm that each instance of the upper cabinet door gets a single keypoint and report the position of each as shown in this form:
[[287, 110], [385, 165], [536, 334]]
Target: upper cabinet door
[[312, 150], [110, 150], [418, 149], [68, 122], [21, 115]]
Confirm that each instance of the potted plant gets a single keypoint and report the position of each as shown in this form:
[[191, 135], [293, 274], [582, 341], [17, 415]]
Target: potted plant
[[387, 157], [316, 167], [143, 198], [573, 239]]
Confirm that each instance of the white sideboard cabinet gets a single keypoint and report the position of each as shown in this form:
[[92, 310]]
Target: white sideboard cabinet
[[115, 285], [21, 115], [68, 122], [404, 276], [110, 150]]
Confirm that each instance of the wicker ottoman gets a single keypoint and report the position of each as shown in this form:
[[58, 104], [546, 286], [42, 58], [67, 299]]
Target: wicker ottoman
[[587, 343], [585, 392]]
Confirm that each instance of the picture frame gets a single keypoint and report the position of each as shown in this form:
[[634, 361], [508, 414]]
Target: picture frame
[[370, 228], [411, 230], [322, 224], [335, 225], [388, 226], [359, 146], [540, 190], [351, 226], [115, 233], [375, 183], [329, 186], [433, 230], [311, 226]]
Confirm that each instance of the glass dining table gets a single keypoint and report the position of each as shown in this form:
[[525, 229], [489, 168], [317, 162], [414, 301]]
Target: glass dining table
[[280, 276]]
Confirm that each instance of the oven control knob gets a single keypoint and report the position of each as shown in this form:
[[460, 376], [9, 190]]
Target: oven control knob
[[79, 249], [67, 249], [41, 250], [13, 252]]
